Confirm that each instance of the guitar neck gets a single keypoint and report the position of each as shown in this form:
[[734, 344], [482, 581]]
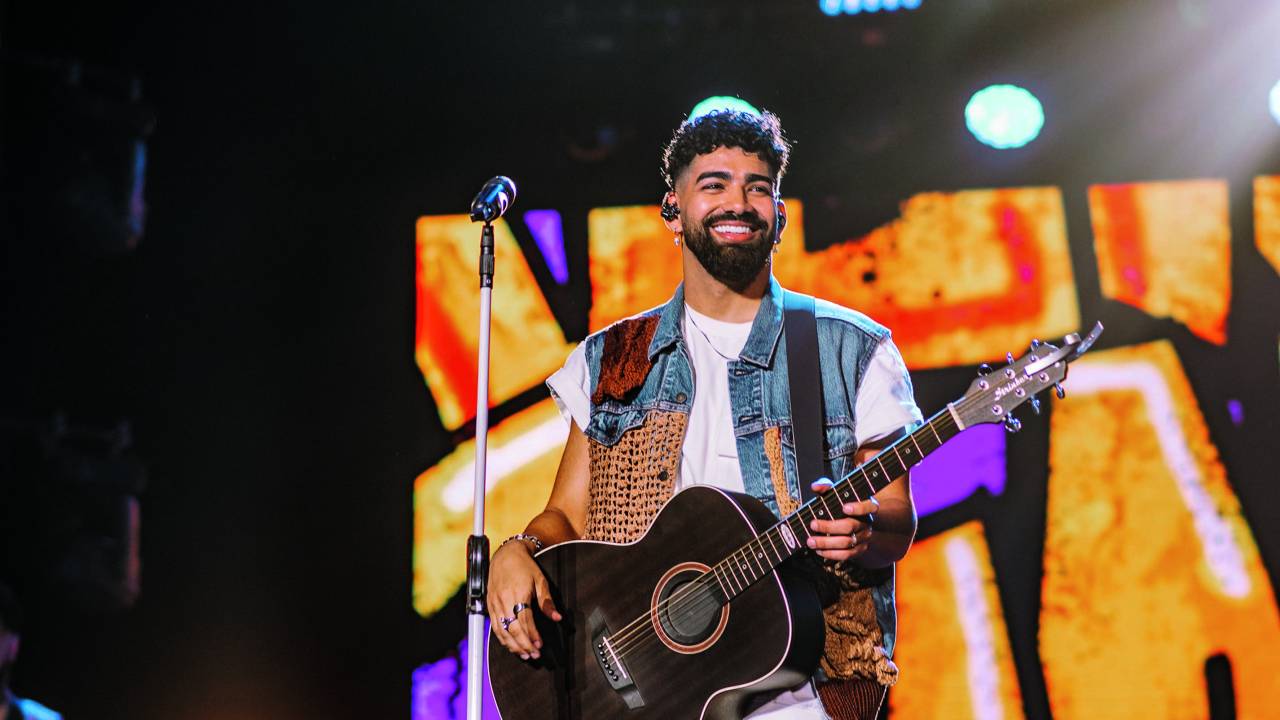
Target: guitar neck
[[787, 538]]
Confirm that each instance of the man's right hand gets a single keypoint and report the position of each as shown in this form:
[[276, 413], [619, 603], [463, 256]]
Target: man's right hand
[[515, 579]]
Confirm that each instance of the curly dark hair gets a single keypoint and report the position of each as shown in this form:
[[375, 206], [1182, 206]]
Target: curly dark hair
[[757, 134]]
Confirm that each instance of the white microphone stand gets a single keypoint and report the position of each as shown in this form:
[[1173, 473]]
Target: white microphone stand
[[478, 543]]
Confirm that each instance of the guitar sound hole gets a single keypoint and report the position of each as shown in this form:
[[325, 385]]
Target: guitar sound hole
[[690, 612]]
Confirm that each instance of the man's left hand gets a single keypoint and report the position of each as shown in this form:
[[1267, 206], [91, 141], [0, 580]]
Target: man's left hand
[[848, 537]]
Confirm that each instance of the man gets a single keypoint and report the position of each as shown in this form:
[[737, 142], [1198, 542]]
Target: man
[[696, 391]]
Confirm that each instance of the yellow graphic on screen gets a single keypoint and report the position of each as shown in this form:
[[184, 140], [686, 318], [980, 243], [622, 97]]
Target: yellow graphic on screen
[[524, 451], [953, 647], [1150, 568], [1165, 248], [526, 344], [961, 277], [1266, 218]]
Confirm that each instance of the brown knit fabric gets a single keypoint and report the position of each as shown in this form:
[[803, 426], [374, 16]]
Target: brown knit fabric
[[778, 471], [851, 699], [624, 363], [854, 643], [632, 479]]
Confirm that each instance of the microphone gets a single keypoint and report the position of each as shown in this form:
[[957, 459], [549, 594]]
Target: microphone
[[493, 199]]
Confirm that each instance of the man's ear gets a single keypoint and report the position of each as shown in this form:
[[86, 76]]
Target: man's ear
[[782, 215], [670, 211]]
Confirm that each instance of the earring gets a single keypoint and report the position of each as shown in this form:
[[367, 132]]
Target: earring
[[677, 238], [776, 242]]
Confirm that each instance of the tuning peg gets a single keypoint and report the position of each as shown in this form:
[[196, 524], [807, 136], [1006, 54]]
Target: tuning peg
[[1057, 388], [1011, 423], [1036, 344], [983, 369], [1035, 405], [1008, 357]]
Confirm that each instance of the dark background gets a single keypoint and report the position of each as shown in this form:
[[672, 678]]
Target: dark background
[[259, 338]]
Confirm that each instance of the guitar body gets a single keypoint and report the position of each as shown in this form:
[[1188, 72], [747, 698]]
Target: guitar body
[[703, 663]]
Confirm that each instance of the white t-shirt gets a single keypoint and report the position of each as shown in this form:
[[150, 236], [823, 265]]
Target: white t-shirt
[[710, 454]]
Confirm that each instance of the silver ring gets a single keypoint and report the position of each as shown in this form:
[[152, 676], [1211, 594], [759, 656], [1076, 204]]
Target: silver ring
[[506, 622], [519, 607]]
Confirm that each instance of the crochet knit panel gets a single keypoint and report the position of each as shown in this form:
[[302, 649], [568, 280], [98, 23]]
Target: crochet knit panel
[[633, 478]]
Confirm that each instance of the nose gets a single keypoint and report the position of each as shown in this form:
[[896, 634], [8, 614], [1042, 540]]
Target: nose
[[736, 201]]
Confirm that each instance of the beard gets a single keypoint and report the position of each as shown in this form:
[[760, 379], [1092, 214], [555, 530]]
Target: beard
[[734, 265]]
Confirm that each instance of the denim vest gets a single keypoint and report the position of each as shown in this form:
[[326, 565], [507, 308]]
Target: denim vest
[[642, 380]]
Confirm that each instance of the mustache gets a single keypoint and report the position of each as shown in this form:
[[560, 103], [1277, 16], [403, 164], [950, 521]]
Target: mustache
[[751, 220]]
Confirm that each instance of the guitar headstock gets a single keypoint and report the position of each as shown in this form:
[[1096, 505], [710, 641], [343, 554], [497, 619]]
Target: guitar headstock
[[993, 396]]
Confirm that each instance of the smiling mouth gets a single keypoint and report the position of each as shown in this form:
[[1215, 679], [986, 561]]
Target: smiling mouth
[[734, 229]]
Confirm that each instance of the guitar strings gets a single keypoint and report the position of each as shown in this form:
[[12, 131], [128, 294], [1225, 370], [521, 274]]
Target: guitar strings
[[696, 595]]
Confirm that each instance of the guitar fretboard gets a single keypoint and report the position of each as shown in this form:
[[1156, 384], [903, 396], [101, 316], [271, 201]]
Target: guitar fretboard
[[788, 537]]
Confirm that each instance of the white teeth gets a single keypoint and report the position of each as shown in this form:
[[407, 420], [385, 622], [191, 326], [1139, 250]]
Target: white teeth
[[732, 228]]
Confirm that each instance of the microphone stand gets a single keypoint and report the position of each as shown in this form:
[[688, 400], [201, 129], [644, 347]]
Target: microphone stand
[[478, 543]]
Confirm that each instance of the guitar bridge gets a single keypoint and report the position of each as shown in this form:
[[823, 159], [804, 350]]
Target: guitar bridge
[[614, 669]]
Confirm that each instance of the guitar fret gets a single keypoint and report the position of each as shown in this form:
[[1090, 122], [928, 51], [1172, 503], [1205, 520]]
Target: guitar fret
[[894, 448], [744, 566], [778, 557], [919, 453], [733, 577], [723, 590], [768, 535], [886, 475], [804, 527], [855, 491], [825, 507], [762, 559], [935, 432], [756, 558]]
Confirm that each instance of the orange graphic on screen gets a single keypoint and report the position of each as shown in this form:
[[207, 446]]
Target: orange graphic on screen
[[526, 344], [1266, 218], [1165, 248], [953, 645], [961, 278], [1149, 566]]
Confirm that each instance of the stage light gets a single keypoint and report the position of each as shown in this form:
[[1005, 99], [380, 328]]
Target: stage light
[[716, 103], [1275, 101], [1004, 116], [854, 7]]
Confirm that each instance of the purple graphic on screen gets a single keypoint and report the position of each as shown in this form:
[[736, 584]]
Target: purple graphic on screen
[[440, 689], [549, 234], [973, 459], [1235, 409]]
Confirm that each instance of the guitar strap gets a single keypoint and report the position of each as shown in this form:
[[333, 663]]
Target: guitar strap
[[855, 699], [804, 380]]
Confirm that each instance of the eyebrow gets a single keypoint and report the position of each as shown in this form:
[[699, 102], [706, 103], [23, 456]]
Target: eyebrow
[[722, 175]]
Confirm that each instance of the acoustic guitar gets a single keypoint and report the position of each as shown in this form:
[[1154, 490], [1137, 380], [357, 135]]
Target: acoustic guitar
[[704, 611]]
